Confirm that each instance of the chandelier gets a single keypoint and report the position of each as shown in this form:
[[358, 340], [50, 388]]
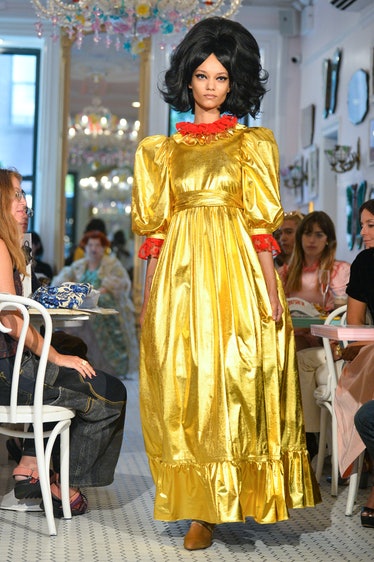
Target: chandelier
[[126, 22], [97, 138], [108, 194]]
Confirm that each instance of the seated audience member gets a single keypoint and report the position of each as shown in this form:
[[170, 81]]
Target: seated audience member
[[286, 237], [315, 248], [112, 340], [97, 432], [63, 343], [356, 383], [43, 270], [119, 248], [93, 224]]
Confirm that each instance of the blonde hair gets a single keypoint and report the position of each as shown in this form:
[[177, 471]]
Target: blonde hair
[[9, 229], [327, 260]]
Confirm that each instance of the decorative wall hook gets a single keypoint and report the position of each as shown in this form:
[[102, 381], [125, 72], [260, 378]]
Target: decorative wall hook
[[295, 175]]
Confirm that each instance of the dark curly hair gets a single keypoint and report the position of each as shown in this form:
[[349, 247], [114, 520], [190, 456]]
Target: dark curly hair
[[235, 48]]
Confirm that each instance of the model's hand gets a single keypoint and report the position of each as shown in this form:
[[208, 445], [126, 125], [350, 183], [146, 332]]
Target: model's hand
[[74, 362], [276, 308]]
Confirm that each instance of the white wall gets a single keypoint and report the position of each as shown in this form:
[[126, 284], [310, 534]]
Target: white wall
[[354, 33]]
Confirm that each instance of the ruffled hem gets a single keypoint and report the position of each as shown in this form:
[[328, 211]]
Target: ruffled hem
[[265, 243], [150, 248], [224, 492]]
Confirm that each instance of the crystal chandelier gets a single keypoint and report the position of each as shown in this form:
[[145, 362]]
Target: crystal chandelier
[[111, 193], [97, 138], [127, 22]]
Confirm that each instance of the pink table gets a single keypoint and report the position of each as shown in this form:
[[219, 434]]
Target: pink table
[[348, 332]]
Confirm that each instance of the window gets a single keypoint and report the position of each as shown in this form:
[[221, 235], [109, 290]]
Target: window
[[19, 83], [23, 91]]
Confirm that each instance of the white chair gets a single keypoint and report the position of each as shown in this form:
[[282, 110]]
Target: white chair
[[37, 414], [325, 396]]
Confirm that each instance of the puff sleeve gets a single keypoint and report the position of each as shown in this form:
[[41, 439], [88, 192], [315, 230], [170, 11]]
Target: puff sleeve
[[151, 193], [260, 179]]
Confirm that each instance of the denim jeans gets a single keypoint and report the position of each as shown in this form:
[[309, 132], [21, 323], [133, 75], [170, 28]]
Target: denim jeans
[[96, 431], [364, 422]]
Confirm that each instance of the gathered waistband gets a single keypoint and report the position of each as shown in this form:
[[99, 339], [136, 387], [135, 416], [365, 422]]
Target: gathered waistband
[[206, 198]]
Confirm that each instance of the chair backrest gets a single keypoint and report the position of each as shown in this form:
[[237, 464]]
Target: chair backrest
[[20, 305], [337, 316]]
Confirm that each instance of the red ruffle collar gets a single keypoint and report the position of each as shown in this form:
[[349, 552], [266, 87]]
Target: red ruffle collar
[[223, 124]]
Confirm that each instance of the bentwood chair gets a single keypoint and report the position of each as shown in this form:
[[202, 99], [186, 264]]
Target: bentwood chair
[[325, 396], [18, 418]]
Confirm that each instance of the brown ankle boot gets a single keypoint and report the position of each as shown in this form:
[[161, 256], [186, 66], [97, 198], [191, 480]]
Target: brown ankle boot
[[199, 535]]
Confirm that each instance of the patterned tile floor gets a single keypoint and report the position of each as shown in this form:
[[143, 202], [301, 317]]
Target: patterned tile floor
[[120, 527]]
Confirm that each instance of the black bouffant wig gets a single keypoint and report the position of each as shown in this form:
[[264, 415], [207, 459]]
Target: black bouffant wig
[[235, 48]]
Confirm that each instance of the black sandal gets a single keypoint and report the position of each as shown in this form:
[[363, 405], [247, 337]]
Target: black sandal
[[29, 487], [78, 503], [367, 520]]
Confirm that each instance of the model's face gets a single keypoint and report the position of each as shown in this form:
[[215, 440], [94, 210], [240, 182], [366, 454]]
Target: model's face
[[287, 236], [94, 249], [18, 208], [314, 242], [367, 228], [210, 85]]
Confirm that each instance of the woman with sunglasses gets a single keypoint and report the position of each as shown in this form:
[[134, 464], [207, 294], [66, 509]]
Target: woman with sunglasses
[[98, 399]]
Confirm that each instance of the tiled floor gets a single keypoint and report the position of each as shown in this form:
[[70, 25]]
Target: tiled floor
[[120, 527]]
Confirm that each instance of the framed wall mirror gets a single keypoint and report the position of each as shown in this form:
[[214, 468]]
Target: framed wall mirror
[[358, 96], [104, 103], [326, 87], [335, 67]]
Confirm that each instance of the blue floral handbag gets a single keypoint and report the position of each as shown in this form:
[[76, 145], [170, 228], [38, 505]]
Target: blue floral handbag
[[66, 295]]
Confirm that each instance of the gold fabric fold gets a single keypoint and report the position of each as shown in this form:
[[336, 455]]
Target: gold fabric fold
[[204, 198], [219, 392]]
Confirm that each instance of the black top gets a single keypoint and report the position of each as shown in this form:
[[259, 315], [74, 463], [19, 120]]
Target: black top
[[361, 279]]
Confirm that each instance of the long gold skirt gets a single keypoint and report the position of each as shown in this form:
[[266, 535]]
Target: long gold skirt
[[219, 391]]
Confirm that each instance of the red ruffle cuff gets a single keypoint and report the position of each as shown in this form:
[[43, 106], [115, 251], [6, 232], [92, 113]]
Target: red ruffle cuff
[[265, 243], [150, 248]]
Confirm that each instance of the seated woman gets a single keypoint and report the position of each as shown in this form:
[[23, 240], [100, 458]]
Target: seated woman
[[356, 382], [98, 399], [112, 340], [315, 248], [42, 269], [286, 237]]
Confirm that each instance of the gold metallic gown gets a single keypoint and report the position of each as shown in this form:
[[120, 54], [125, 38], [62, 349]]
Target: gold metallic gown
[[219, 391]]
